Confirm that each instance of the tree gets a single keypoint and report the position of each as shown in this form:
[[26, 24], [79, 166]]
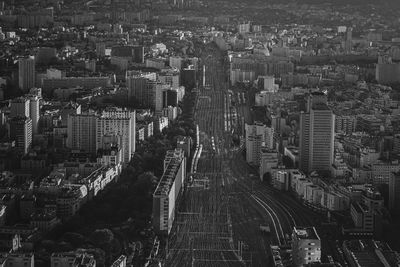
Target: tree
[[63, 246], [98, 254], [75, 239], [101, 236], [116, 246], [145, 183], [180, 131], [48, 244]]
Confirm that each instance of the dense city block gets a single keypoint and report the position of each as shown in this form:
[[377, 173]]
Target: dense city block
[[199, 133]]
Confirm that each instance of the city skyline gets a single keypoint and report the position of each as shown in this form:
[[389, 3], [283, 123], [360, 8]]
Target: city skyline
[[199, 133]]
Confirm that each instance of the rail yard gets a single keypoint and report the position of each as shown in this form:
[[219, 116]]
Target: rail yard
[[225, 204]]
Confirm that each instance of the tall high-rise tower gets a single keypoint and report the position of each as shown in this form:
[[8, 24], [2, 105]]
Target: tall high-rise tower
[[19, 107], [257, 135], [348, 43], [82, 132], [34, 112], [394, 193], [316, 135], [120, 125], [141, 87], [26, 73], [21, 133], [26, 107]]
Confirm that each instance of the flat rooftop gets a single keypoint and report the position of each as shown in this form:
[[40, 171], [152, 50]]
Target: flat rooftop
[[370, 252], [168, 177], [320, 106], [120, 260], [318, 93], [306, 233], [268, 150], [293, 150], [360, 207]]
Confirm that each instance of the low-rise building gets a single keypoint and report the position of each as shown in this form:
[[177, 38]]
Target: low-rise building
[[17, 259], [306, 246], [170, 112], [314, 194], [184, 143], [293, 154], [363, 218], [160, 124], [110, 156], [120, 262], [10, 242], [70, 200], [301, 185], [68, 259], [372, 199], [45, 220], [49, 84], [369, 253], [144, 130], [268, 161], [381, 171], [280, 179], [334, 201]]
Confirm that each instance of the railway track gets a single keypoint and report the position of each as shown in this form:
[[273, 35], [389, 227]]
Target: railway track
[[218, 223], [202, 234]]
